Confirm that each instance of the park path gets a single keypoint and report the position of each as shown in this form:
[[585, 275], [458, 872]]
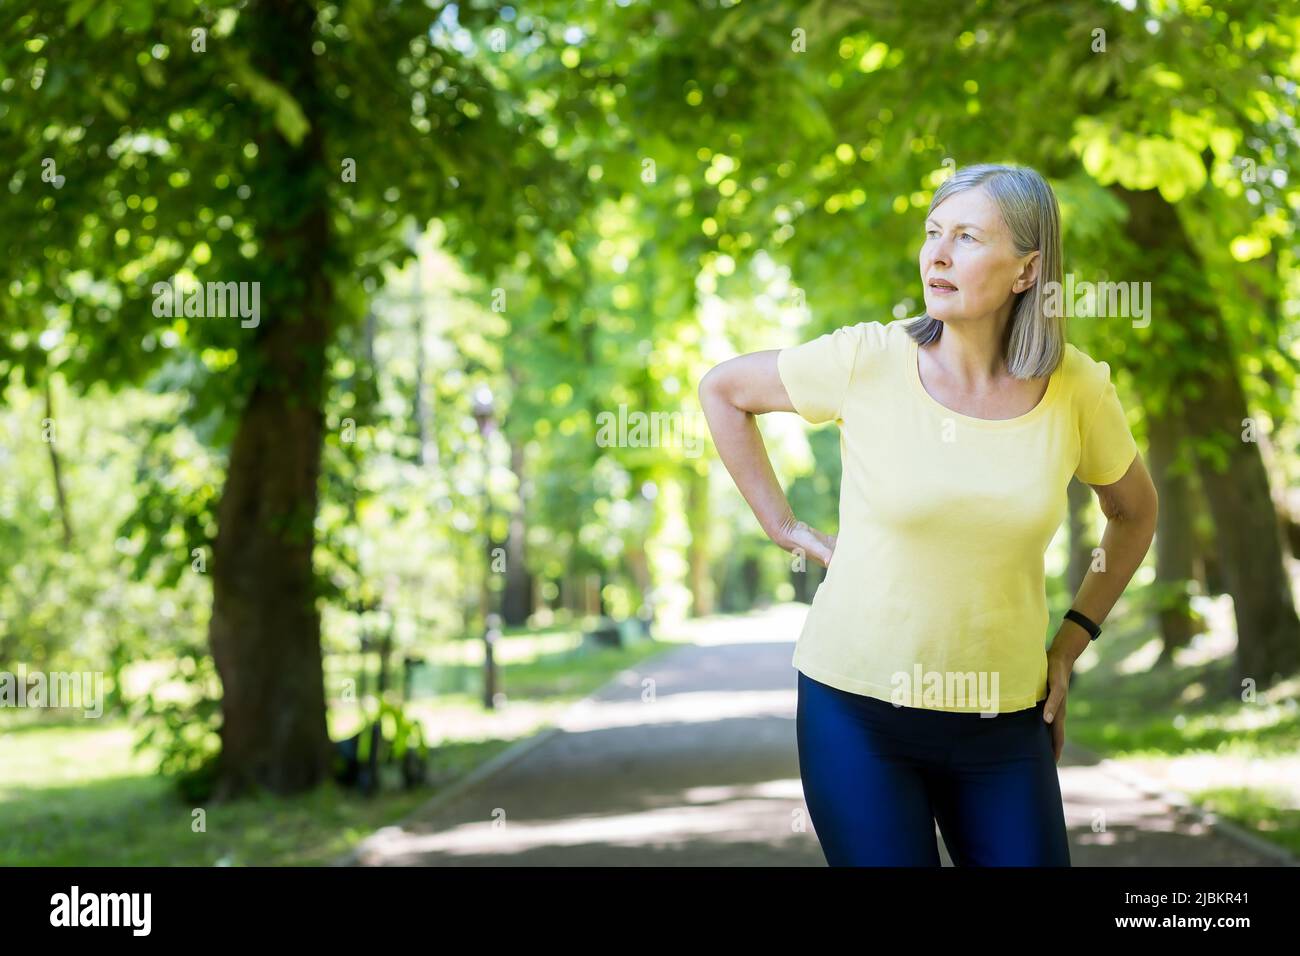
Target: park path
[[704, 771]]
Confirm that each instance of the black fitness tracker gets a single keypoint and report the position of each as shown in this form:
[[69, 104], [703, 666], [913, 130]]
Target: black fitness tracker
[[1088, 625]]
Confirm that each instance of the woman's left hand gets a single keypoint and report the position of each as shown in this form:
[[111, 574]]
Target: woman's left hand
[[1058, 686]]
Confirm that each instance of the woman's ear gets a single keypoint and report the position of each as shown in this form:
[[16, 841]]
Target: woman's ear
[[1028, 273]]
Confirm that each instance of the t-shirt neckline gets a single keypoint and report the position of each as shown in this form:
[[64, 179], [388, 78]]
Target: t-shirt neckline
[[912, 353]]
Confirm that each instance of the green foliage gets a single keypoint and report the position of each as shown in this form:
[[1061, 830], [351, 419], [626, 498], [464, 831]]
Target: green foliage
[[180, 719], [618, 197], [394, 741]]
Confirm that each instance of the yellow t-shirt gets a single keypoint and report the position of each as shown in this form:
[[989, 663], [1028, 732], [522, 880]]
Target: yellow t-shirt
[[935, 596]]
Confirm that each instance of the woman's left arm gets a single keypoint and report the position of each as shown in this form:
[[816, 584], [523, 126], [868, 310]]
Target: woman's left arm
[[1130, 507]]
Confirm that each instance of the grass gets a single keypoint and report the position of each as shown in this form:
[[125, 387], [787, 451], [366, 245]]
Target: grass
[[1161, 717], [98, 805], [74, 794], [1264, 812]]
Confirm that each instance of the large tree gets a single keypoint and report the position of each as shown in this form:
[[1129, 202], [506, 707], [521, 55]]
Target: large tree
[[275, 142]]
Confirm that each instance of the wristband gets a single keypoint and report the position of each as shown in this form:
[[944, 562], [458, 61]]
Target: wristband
[[1088, 625]]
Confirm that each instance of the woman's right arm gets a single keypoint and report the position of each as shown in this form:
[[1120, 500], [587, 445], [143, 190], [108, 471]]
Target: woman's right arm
[[731, 394]]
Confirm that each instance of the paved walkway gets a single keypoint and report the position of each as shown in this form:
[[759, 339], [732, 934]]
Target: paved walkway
[[690, 759]]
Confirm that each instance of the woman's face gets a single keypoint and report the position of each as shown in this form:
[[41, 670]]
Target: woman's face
[[967, 244]]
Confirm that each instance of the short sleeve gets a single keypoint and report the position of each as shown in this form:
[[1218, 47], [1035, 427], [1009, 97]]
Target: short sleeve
[[816, 374], [1107, 445]]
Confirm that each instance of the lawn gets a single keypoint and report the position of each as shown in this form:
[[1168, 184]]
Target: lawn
[[1185, 724], [74, 794]]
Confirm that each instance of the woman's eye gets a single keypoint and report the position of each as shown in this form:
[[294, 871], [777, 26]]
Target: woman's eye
[[967, 235]]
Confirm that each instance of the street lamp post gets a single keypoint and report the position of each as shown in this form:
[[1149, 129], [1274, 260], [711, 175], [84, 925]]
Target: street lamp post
[[484, 415]]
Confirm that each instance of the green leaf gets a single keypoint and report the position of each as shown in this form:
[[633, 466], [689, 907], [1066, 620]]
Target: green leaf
[[100, 20], [113, 104], [289, 117], [137, 14], [77, 11]]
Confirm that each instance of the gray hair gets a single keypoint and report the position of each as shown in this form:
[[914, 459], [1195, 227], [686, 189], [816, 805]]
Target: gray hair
[[1036, 340]]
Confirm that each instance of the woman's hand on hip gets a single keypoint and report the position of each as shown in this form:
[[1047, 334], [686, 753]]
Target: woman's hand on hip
[[1058, 687], [796, 536]]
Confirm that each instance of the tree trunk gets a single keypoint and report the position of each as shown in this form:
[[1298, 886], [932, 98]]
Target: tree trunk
[[1205, 563], [751, 580], [698, 520], [639, 564], [265, 626], [517, 599], [1175, 538], [54, 465], [570, 593], [1247, 535], [487, 590], [593, 599], [419, 410]]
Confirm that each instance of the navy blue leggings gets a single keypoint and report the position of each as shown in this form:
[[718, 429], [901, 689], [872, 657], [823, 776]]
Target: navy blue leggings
[[877, 777]]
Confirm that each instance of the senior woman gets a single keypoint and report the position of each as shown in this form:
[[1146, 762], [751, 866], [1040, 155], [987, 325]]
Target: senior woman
[[925, 690]]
